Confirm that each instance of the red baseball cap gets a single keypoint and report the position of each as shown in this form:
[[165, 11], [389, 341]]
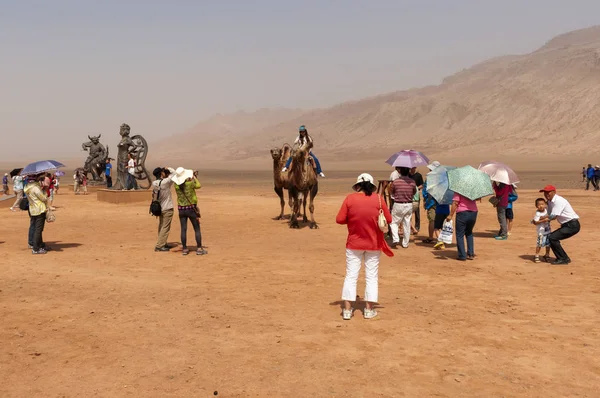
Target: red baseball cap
[[548, 188]]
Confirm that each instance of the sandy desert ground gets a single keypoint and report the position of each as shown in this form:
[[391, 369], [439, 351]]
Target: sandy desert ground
[[104, 315]]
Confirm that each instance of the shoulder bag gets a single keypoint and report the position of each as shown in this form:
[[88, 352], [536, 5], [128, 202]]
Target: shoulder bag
[[381, 221]]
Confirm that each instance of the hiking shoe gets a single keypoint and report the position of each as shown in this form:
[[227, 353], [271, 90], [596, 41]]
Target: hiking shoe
[[162, 249], [347, 314], [370, 314], [41, 251], [185, 252], [501, 237], [201, 252]]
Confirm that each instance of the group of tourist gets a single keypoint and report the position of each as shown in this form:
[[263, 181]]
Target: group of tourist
[[363, 212], [186, 183], [591, 175]]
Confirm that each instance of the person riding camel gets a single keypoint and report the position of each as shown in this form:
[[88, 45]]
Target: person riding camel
[[302, 139]]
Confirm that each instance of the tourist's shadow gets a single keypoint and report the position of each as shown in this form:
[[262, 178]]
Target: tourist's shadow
[[60, 246], [359, 305], [444, 254], [486, 234]]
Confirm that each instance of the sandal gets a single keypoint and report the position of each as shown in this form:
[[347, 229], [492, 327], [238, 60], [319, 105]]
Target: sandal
[[185, 252], [201, 252], [536, 259], [546, 259], [347, 314]]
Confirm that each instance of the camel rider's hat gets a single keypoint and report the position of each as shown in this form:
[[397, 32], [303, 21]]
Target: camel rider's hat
[[302, 128], [364, 177]]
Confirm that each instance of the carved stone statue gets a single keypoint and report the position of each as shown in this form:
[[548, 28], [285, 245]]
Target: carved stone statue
[[96, 160], [138, 148]]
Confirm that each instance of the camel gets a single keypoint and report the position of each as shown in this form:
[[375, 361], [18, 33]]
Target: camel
[[303, 184], [280, 179]]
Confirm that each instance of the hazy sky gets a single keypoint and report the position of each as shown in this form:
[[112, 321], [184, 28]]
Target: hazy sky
[[72, 67]]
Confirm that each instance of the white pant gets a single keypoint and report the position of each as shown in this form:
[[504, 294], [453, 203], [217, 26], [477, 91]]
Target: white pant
[[401, 213], [353, 263]]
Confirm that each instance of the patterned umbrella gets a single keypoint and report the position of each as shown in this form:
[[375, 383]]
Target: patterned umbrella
[[408, 158], [41, 167], [437, 185], [499, 172], [470, 182]]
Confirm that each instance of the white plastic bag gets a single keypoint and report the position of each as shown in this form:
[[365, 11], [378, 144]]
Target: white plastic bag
[[446, 233], [381, 221]]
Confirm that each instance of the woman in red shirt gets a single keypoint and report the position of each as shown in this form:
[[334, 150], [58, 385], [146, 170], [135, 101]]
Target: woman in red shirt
[[360, 212]]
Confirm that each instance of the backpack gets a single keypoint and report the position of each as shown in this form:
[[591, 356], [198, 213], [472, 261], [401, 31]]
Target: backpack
[[155, 208]]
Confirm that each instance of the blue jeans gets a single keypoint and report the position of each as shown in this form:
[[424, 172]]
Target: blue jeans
[[319, 170], [465, 221]]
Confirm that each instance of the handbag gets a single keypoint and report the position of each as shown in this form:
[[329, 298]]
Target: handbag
[[381, 221], [446, 233], [194, 206], [155, 208], [494, 201], [50, 217]]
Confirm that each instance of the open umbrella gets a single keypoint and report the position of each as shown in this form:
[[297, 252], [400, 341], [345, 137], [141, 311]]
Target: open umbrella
[[15, 172], [408, 158], [437, 185], [470, 182], [499, 172], [41, 167]]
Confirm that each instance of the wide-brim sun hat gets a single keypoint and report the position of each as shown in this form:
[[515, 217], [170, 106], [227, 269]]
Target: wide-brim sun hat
[[434, 165], [364, 177], [181, 175]]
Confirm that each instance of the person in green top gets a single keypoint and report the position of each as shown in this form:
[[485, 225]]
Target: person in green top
[[186, 183]]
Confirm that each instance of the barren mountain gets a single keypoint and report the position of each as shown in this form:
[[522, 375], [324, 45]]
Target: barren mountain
[[536, 104]]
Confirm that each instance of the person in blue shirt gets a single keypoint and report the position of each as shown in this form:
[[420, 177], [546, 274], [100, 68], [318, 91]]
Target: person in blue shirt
[[441, 212], [596, 179], [590, 177], [108, 173], [512, 197], [430, 204]]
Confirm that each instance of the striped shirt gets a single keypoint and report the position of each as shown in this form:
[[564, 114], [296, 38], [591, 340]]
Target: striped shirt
[[403, 190]]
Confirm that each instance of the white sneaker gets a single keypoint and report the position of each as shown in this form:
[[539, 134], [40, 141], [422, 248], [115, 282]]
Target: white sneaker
[[284, 170], [347, 314], [321, 174], [369, 314]]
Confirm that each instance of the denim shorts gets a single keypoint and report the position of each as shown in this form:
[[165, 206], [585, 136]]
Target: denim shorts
[[543, 241]]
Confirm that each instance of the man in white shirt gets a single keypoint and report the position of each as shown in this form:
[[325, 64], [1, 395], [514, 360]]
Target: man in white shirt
[[560, 209], [161, 191], [131, 181]]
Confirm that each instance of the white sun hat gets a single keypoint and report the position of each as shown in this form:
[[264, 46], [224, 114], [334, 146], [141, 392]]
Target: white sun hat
[[433, 165], [364, 177], [181, 175]]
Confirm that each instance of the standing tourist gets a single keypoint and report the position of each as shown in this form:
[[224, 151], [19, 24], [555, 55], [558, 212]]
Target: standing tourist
[[430, 204], [402, 191], [540, 220], [510, 214], [560, 210], [596, 178], [131, 181], [360, 212], [5, 184], [108, 173], [161, 191], [186, 183], [502, 191], [583, 174], [18, 188], [37, 212], [590, 177], [466, 217], [418, 179]]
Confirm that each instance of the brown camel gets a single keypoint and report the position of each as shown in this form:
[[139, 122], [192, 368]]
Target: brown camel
[[280, 179], [303, 184]]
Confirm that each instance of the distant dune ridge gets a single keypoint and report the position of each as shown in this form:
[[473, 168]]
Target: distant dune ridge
[[533, 105]]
